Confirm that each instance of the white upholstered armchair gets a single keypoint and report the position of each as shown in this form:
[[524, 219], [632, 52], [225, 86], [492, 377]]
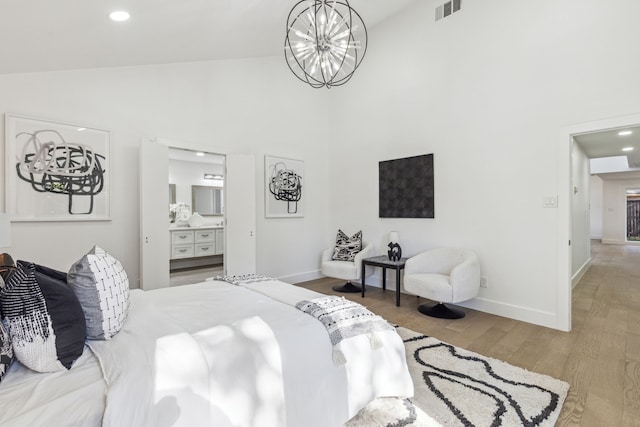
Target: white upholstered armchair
[[443, 275], [346, 270]]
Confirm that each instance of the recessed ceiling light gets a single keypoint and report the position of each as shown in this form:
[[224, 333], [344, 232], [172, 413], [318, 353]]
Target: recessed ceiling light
[[627, 149], [200, 153], [119, 15], [625, 132]]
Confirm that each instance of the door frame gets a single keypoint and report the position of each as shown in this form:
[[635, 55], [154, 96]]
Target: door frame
[[565, 212]]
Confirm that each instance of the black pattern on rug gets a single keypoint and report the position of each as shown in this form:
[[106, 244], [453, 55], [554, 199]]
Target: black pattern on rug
[[461, 388]]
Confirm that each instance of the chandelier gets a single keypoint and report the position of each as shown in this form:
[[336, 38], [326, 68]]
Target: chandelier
[[325, 43]]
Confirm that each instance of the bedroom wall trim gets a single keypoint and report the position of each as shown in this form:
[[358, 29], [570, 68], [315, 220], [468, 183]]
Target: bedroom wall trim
[[581, 271], [301, 277], [513, 311]]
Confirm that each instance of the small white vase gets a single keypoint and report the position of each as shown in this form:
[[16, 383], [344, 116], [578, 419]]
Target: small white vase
[[196, 220]]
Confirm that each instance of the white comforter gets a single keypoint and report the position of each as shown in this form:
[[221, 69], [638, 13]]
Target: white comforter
[[215, 354]]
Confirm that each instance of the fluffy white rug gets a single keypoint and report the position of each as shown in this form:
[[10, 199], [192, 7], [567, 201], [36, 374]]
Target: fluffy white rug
[[391, 412], [461, 388]]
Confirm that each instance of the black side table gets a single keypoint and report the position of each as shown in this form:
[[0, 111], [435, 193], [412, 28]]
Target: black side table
[[384, 262]]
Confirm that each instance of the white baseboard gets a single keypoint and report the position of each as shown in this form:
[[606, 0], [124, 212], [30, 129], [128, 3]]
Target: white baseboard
[[302, 277], [618, 242], [581, 271], [537, 317], [512, 311]]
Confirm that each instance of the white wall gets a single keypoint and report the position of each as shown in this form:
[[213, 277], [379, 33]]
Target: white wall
[[243, 106], [486, 90], [580, 217], [596, 207], [614, 204]]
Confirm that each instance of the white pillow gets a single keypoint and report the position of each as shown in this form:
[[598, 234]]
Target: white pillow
[[102, 287]]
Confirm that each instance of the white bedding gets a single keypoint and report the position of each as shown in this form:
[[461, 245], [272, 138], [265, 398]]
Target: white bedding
[[215, 354]]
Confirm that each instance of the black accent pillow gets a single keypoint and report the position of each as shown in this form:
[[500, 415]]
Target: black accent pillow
[[347, 247], [6, 350], [44, 318]]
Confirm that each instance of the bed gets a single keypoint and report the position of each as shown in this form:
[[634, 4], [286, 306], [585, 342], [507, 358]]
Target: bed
[[212, 354]]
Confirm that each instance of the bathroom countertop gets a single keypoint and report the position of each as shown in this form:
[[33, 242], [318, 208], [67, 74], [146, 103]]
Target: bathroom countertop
[[173, 227]]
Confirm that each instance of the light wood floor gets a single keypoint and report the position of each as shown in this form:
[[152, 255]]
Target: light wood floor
[[600, 357], [194, 275]]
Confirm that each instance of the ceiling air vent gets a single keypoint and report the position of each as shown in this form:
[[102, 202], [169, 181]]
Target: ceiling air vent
[[447, 9]]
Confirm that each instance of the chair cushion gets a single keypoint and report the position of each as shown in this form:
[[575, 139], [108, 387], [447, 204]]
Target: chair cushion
[[347, 247], [435, 287], [344, 270]]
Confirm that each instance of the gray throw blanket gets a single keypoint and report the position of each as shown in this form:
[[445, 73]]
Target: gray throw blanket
[[345, 319]]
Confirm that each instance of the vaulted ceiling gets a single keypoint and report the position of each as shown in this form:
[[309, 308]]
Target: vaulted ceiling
[[45, 35]]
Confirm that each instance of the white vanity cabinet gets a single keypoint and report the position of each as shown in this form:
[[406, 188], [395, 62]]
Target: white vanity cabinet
[[205, 242], [196, 242], [182, 244]]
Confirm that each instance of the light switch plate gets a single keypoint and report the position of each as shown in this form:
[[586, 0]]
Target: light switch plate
[[550, 202]]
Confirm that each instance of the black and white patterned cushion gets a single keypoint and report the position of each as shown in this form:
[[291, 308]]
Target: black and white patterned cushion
[[102, 287], [347, 247], [43, 317], [6, 350]]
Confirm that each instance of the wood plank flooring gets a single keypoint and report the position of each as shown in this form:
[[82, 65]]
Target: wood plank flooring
[[600, 357]]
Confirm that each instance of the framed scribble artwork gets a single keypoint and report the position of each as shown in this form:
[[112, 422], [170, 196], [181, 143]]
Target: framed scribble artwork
[[284, 187], [56, 171]]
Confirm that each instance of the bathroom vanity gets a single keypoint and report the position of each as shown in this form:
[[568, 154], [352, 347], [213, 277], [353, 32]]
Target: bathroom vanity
[[196, 246]]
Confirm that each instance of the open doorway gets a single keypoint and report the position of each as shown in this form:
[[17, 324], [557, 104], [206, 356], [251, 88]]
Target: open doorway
[[196, 215], [633, 215], [565, 238]]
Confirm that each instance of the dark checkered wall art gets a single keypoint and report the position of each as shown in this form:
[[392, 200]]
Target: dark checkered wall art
[[406, 187]]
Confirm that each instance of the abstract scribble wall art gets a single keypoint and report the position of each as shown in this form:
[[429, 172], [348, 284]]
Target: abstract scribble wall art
[[284, 189], [56, 171]]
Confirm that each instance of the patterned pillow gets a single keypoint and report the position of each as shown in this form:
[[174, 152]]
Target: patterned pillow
[[102, 286], [44, 318], [347, 247], [6, 350]]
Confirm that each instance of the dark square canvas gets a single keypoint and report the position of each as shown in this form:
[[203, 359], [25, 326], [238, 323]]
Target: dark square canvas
[[406, 187]]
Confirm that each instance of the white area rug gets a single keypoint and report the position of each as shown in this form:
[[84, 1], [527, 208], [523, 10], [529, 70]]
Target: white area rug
[[456, 387], [391, 412], [461, 388]]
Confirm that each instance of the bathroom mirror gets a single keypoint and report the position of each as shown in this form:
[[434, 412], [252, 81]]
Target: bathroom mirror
[[207, 200]]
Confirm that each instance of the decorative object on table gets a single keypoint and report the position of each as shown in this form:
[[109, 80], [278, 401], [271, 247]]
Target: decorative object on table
[[180, 212], [445, 275], [344, 261], [325, 43], [195, 220], [283, 187], [395, 251], [406, 187], [458, 387], [56, 171]]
